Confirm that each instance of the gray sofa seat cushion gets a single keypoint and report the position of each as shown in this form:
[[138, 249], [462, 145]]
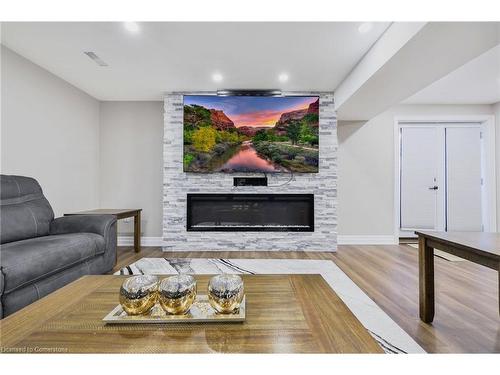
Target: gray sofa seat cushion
[[25, 262], [24, 211]]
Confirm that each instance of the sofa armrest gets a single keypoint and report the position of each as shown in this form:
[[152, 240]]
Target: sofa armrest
[[98, 224], [104, 225]]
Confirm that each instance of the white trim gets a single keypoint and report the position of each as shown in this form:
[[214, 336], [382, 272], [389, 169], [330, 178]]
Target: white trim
[[145, 241], [341, 240], [367, 240], [488, 124], [490, 183]]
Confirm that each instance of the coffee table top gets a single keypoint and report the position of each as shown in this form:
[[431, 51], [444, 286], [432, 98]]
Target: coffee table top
[[284, 314]]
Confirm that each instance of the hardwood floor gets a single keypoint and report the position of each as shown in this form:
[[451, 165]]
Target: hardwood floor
[[467, 318]]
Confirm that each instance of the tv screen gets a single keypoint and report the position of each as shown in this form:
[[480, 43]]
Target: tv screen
[[251, 134]]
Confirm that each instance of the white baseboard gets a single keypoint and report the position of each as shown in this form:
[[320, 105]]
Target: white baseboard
[[367, 240], [341, 240], [145, 241]]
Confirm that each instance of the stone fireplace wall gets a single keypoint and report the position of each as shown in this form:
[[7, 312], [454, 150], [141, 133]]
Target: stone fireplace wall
[[176, 184]]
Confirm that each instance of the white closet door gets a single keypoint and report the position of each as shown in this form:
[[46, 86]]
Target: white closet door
[[463, 159], [421, 166]]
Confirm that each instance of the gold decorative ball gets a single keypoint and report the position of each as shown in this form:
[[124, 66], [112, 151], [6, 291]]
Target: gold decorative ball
[[138, 294], [225, 293], [177, 294]]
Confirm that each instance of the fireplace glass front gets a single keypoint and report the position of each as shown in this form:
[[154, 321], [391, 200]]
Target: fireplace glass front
[[250, 212]]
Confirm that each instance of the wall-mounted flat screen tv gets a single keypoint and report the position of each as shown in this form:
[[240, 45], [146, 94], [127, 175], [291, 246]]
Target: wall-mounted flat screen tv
[[251, 134]]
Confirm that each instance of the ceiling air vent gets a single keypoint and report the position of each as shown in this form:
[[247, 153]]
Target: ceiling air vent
[[95, 58]]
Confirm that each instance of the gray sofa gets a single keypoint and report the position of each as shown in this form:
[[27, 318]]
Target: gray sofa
[[39, 254]]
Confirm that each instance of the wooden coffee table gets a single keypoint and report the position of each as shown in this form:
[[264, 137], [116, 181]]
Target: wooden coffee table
[[120, 213], [284, 314]]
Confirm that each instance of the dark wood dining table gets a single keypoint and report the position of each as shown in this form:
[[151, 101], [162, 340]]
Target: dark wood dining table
[[478, 247]]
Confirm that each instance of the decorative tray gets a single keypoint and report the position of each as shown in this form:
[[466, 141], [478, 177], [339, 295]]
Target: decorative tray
[[200, 312]]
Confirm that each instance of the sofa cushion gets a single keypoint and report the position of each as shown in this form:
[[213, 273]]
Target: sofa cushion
[[25, 262], [24, 211]]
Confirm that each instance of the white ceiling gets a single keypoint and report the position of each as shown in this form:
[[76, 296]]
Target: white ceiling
[[477, 82], [167, 56]]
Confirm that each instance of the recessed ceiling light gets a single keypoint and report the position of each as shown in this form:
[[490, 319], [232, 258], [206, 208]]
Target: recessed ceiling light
[[365, 27], [132, 27], [217, 77], [283, 77]]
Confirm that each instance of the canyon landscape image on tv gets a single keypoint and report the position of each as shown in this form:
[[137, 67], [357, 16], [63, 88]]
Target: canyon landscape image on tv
[[251, 134]]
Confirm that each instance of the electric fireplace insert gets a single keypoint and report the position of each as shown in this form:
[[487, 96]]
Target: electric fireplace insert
[[250, 212]]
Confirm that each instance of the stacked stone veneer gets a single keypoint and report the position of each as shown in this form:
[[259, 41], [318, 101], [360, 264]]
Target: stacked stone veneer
[[176, 184]]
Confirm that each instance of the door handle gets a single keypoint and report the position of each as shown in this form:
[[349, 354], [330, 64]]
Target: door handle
[[433, 187]]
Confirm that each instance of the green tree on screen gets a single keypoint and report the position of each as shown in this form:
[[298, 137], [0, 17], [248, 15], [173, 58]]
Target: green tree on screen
[[204, 139], [293, 132]]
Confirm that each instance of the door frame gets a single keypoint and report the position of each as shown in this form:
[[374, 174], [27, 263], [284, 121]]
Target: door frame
[[487, 122]]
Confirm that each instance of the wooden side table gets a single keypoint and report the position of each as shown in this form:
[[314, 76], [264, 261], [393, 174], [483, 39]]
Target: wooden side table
[[120, 214]]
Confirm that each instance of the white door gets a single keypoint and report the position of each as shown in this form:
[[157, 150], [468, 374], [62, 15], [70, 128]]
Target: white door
[[440, 178], [463, 170], [421, 187]]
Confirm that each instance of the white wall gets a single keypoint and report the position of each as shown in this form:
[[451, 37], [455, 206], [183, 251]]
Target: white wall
[[131, 174], [366, 167], [50, 131], [86, 157]]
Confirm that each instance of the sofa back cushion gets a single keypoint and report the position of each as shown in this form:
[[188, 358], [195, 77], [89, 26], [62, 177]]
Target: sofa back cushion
[[24, 211]]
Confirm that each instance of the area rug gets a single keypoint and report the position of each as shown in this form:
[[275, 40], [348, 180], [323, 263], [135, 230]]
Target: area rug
[[391, 337], [441, 254]]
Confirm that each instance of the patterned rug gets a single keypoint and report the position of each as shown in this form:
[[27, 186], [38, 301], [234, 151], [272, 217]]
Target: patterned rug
[[391, 337]]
